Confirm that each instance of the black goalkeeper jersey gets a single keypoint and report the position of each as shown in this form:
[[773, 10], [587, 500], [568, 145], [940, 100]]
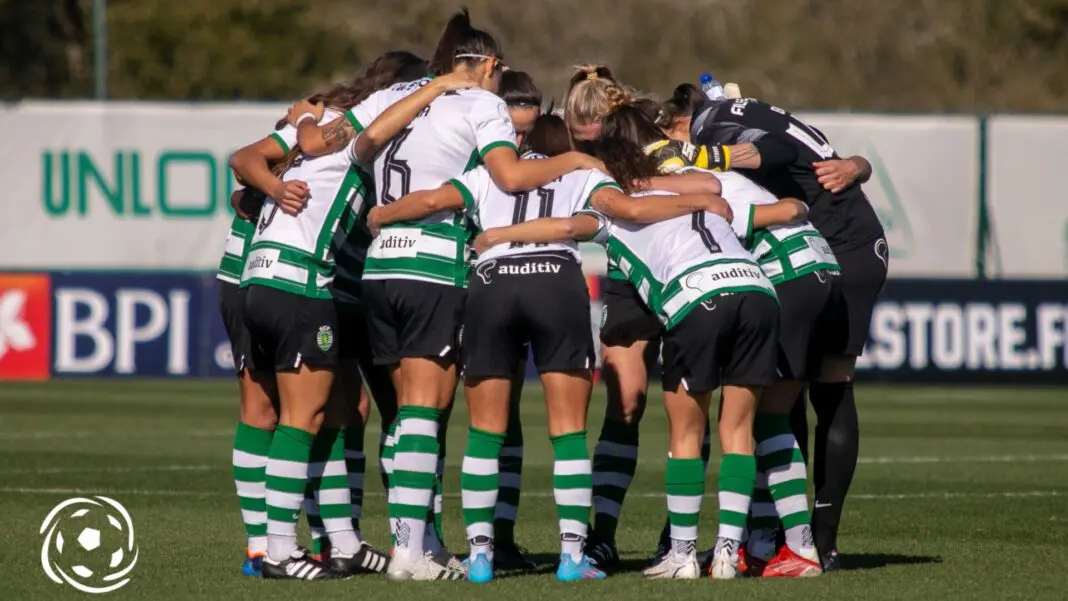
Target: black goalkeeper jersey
[[847, 219]]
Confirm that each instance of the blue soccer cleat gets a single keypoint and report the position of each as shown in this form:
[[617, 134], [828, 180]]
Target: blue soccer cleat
[[570, 571], [253, 565], [479, 569]]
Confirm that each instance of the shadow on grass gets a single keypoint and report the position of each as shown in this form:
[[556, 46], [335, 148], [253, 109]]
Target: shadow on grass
[[873, 561]]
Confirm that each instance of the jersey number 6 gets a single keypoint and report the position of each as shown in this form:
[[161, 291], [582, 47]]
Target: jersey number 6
[[396, 167]]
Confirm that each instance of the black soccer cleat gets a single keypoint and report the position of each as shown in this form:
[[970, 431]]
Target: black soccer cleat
[[367, 560], [509, 556], [602, 552], [299, 566], [830, 561]]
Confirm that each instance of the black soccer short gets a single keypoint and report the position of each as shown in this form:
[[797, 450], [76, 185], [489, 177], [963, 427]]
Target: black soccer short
[[232, 308], [864, 272], [625, 319], [728, 340], [541, 299], [804, 303], [409, 319], [289, 330]]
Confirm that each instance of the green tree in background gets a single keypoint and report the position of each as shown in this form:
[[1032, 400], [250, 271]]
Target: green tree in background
[[930, 55]]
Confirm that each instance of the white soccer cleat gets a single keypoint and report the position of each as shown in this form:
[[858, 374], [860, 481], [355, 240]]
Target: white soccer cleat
[[425, 567], [674, 567], [724, 565]]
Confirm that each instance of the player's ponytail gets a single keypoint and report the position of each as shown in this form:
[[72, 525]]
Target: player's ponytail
[[461, 43], [681, 105]]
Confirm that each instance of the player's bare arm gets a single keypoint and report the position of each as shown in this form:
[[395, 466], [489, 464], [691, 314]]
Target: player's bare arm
[[785, 212], [416, 206], [513, 175], [616, 204], [313, 139], [403, 112], [546, 229], [251, 165], [684, 183]]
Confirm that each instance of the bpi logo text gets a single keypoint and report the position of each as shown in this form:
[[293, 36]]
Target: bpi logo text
[[127, 329]]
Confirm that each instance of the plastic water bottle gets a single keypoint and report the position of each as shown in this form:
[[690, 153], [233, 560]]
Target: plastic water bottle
[[712, 88]]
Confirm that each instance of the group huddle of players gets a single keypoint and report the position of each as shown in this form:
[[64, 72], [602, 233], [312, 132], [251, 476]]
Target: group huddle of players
[[420, 224]]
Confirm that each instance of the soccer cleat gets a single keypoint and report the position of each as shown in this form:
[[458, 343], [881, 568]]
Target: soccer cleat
[[509, 556], [299, 566], [830, 561], [253, 563], [749, 564], [571, 571], [602, 551], [445, 558], [788, 564], [674, 567], [367, 560], [479, 569], [724, 565], [425, 567]]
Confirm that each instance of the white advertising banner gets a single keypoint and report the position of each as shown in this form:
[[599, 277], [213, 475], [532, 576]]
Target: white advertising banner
[[146, 185], [122, 185], [924, 187], [1028, 159]]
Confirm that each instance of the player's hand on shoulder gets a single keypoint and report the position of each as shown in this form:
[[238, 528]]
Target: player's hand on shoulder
[[303, 107], [585, 161], [485, 241], [374, 221], [836, 175], [461, 79]]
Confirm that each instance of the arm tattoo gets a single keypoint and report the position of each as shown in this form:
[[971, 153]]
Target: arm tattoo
[[338, 133], [745, 156]]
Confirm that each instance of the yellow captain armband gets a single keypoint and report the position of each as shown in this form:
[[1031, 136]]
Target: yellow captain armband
[[714, 158]]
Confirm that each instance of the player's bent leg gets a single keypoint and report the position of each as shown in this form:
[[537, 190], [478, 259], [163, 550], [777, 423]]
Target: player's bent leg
[[625, 372], [304, 393], [684, 481], [836, 450], [487, 401], [780, 492], [252, 443], [737, 476]]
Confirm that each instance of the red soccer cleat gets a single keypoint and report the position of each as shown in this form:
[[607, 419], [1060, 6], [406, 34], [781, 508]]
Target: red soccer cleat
[[753, 567], [788, 564]]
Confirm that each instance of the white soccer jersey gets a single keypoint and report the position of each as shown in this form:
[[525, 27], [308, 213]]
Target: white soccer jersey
[[447, 139], [488, 206], [676, 264], [294, 253], [784, 252]]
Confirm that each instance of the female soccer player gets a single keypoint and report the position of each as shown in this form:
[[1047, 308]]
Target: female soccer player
[[294, 326], [721, 323], [529, 294], [416, 273]]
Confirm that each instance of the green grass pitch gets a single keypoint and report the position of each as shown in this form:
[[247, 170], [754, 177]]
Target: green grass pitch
[[961, 493]]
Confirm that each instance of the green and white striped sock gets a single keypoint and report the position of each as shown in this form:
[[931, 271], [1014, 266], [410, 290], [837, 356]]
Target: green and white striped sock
[[737, 474], [511, 470], [328, 470], [615, 459], [779, 457], [287, 476], [572, 490], [479, 483], [414, 473], [356, 466], [251, 446], [389, 450], [684, 481]]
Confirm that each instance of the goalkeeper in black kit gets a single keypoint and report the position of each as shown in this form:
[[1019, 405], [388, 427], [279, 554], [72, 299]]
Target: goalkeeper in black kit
[[793, 159]]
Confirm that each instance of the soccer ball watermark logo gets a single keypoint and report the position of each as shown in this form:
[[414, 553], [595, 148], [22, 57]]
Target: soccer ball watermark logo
[[89, 544]]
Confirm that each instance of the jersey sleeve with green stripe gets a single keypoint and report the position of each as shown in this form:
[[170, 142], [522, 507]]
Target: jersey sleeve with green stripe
[[295, 253], [488, 206], [287, 136], [679, 263], [443, 142], [236, 249]]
